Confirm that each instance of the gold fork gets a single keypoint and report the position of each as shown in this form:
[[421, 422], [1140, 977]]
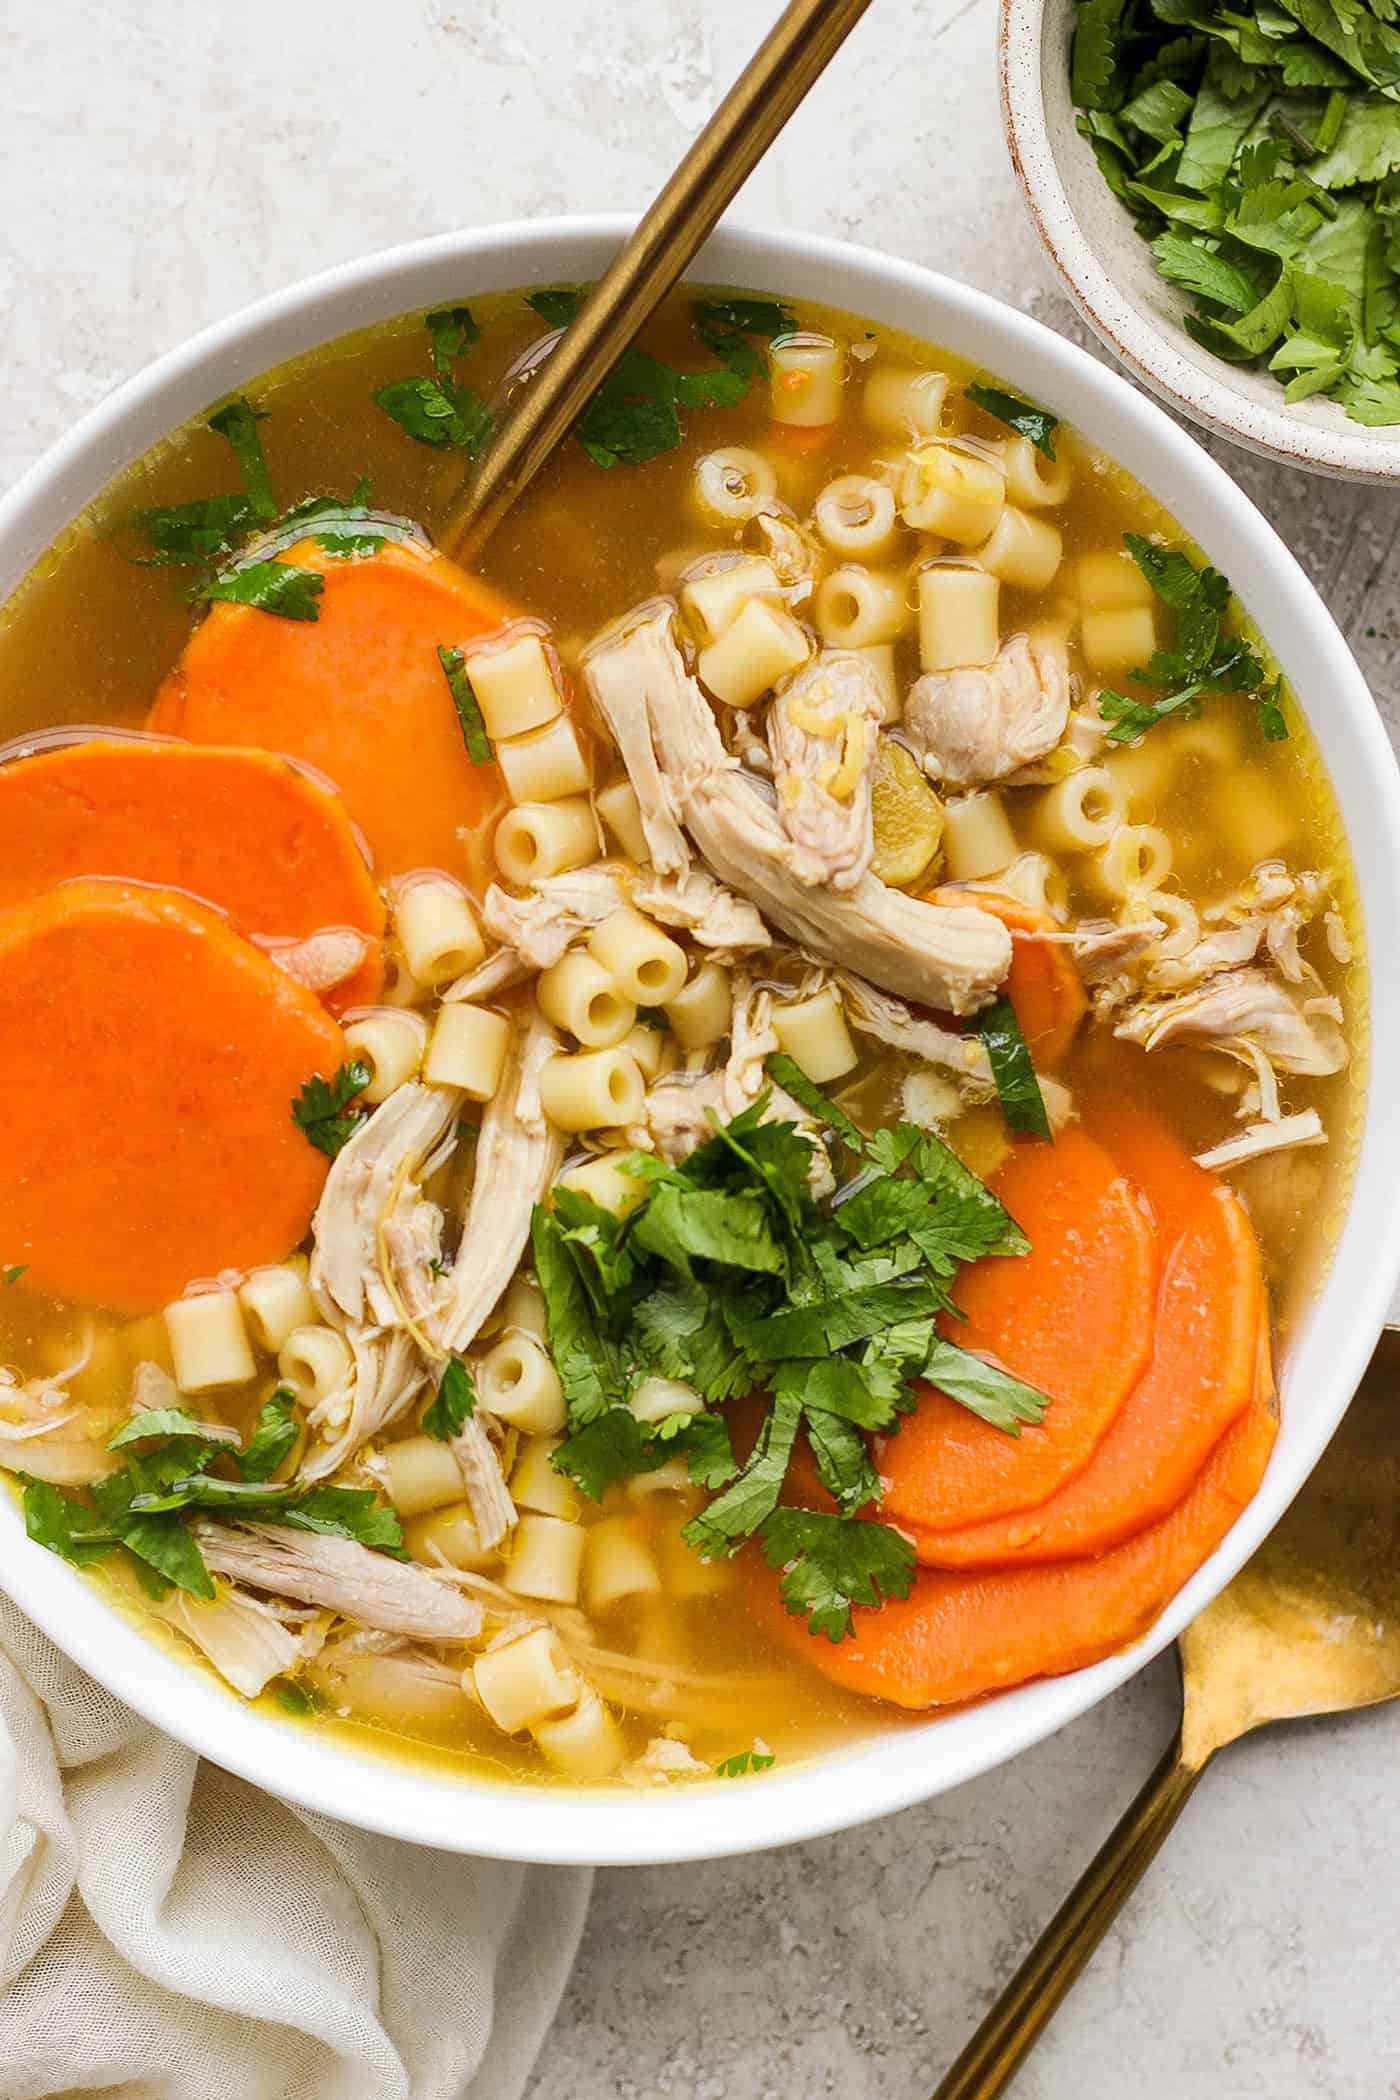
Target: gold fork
[[1310, 1626]]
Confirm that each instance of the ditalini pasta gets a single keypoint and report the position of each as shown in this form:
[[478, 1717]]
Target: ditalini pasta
[[529, 1089]]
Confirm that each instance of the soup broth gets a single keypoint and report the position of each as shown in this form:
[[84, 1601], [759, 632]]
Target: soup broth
[[944, 581]]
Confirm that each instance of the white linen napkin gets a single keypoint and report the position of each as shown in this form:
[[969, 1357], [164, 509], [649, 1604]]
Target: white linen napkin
[[168, 1932]]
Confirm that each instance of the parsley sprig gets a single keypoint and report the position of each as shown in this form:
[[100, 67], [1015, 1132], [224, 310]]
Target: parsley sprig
[[731, 1277], [1202, 655], [185, 1467]]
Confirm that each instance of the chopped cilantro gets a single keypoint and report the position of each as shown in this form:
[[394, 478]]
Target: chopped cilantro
[[1201, 656], [238, 421], [478, 743], [635, 414], [322, 1111], [832, 1562], [294, 1697], [13, 1273], [168, 1422], [441, 410], [350, 546], [273, 1436], [1035, 423], [269, 586], [745, 1761], [731, 1278], [1258, 151], [785, 1072], [984, 1388], [1010, 1059], [453, 1404]]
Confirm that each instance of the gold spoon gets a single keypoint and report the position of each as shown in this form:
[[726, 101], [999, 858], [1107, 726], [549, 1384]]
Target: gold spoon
[[795, 53], [1310, 1626]]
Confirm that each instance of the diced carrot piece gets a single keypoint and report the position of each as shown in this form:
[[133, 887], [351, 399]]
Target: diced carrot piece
[[243, 830], [359, 694], [801, 440], [959, 1636], [1210, 1303], [151, 1056], [1043, 985], [1073, 1318]]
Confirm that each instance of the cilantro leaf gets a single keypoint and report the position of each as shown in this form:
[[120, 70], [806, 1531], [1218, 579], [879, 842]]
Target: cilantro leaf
[[195, 533], [1035, 423], [723, 1525], [347, 1513], [276, 587], [999, 1398], [611, 1447], [1010, 1059], [558, 306], [273, 1436], [453, 1404], [582, 1357], [785, 1072], [679, 1331], [322, 1111], [166, 1544], [454, 666], [437, 412], [168, 1422], [64, 1524], [15, 1270], [831, 1563], [238, 421], [709, 1454], [745, 1761], [843, 1463], [680, 1226], [450, 330]]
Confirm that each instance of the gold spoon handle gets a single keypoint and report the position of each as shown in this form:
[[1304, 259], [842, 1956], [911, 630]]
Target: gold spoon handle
[[1024, 2009], [794, 54]]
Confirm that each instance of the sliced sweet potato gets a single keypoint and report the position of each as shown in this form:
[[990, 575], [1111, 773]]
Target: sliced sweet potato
[[958, 1636], [1043, 985], [359, 693], [1210, 1302], [242, 830], [151, 1055], [1073, 1318]]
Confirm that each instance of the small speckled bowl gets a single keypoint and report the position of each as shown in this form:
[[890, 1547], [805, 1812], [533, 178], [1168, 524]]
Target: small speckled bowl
[[1112, 278]]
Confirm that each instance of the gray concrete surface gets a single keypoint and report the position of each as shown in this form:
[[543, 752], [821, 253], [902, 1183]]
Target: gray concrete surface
[[161, 162]]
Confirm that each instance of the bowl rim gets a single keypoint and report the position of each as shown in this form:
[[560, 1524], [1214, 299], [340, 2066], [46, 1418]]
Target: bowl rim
[[1208, 398], [889, 1771]]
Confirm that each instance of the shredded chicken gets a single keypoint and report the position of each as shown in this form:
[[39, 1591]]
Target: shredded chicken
[[387, 1374], [696, 904], [343, 1576], [623, 700], [248, 1641], [663, 1760], [793, 552], [372, 1179], [1304, 1128], [517, 1157], [891, 1022], [44, 1433], [946, 958], [493, 1511], [1243, 1008], [823, 731], [324, 959], [1103, 951], [973, 726], [539, 927]]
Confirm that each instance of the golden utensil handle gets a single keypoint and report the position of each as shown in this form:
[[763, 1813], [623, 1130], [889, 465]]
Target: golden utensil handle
[[1024, 2009], [795, 53]]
